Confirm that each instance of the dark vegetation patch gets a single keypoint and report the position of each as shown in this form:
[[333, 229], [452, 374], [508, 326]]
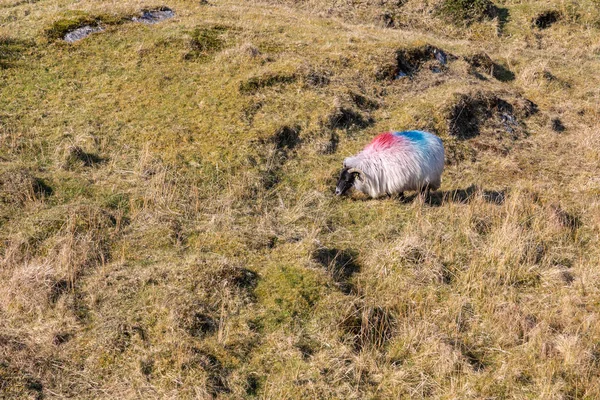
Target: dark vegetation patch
[[17, 383], [253, 383], [35, 386], [206, 41], [331, 144], [155, 15], [62, 338], [307, 347], [238, 277], [481, 63], [57, 289], [232, 281], [470, 112], [385, 20], [216, 372], [465, 12], [77, 157], [340, 264], [276, 151], [18, 3], [545, 19], [409, 61], [550, 78], [256, 83], [364, 102], [315, 77], [202, 325], [487, 121], [368, 326], [557, 125], [250, 110], [286, 138], [146, 367], [18, 186], [347, 118], [474, 356], [11, 51], [564, 218]]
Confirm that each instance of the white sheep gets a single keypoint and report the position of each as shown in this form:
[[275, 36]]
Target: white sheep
[[393, 163]]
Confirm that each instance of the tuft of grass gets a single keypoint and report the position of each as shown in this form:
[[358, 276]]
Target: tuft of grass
[[206, 41]]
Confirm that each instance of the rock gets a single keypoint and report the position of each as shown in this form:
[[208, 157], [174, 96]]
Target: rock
[[81, 33]]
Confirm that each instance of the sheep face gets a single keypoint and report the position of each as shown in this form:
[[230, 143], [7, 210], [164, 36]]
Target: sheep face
[[346, 180]]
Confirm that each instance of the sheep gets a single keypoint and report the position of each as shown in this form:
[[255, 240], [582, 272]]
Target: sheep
[[394, 162]]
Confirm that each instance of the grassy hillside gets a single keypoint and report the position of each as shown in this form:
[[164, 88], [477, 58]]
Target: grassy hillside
[[167, 221]]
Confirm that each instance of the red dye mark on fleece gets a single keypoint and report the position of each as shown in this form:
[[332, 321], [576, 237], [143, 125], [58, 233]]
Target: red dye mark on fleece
[[384, 141]]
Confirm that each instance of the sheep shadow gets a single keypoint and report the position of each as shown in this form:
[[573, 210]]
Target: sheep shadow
[[463, 196]]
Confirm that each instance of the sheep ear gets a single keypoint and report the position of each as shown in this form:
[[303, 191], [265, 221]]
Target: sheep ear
[[361, 175]]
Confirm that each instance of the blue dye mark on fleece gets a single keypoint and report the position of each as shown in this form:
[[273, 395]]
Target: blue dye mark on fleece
[[419, 138], [413, 136]]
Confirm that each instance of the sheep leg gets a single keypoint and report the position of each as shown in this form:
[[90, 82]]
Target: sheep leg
[[424, 193]]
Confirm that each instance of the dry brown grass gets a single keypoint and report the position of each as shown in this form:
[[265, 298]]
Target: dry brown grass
[[168, 227]]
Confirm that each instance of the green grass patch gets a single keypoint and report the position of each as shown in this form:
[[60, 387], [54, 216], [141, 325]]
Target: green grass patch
[[467, 11]]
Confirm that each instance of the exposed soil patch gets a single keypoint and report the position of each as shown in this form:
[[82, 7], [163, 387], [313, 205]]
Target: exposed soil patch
[[410, 61], [546, 19], [154, 16], [487, 121], [81, 33], [340, 264]]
